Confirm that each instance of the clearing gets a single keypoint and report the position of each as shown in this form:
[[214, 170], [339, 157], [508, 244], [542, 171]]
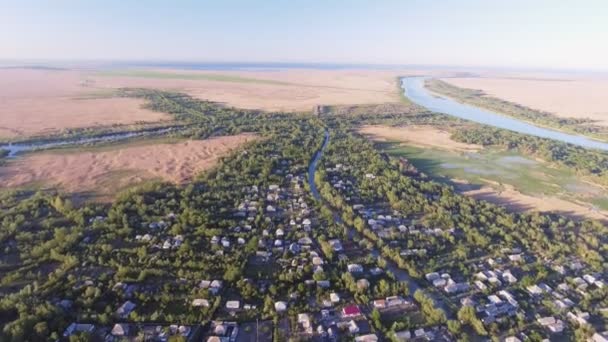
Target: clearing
[[422, 136], [40, 102], [105, 171], [505, 178]]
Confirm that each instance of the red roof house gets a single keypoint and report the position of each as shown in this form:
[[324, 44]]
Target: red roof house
[[351, 311]]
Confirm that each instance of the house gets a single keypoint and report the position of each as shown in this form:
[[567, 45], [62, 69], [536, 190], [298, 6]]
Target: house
[[334, 297], [323, 284], [370, 176], [200, 302], [509, 278], [403, 335], [554, 325], [294, 248], [233, 305], [580, 318], [215, 286], [600, 337], [367, 338], [336, 245], [439, 282], [395, 301], [355, 268], [534, 290], [125, 309], [512, 339], [305, 241], [456, 287], [223, 331], [362, 284], [379, 303], [304, 320], [353, 328], [280, 306], [76, 328], [376, 271], [589, 279], [515, 257], [120, 330], [351, 311]]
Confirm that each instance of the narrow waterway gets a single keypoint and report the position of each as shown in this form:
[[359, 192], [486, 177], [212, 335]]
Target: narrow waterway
[[312, 168], [400, 274], [14, 149], [414, 89]]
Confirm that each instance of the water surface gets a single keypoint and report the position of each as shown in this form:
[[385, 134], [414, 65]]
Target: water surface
[[414, 89]]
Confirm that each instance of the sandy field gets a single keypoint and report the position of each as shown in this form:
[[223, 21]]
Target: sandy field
[[295, 90], [420, 136], [515, 201], [580, 97], [46, 101], [107, 171]]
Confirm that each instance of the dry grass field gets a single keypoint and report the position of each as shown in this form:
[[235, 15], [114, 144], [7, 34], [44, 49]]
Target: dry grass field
[[576, 97], [45, 101], [277, 90], [514, 200], [106, 171], [422, 136]]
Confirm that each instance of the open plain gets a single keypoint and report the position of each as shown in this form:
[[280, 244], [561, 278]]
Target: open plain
[[572, 97], [109, 170], [40, 101]]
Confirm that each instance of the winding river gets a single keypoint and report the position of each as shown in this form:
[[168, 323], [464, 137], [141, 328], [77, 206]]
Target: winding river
[[17, 148], [414, 89], [400, 274]]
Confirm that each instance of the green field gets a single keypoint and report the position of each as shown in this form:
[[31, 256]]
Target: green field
[[188, 76], [499, 168]]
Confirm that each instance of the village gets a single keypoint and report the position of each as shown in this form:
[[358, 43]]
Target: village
[[321, 283]]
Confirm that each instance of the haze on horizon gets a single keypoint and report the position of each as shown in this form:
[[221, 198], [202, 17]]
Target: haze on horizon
[[546, 33]]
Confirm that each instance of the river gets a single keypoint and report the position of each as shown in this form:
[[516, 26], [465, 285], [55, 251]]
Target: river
[[414, 89], [14, 149], [400, 274]]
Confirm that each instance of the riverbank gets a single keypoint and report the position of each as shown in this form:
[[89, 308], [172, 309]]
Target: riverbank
[[586, 126], [506, 178], [414, 89]]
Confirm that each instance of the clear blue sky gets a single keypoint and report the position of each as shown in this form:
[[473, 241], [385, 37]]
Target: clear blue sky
[[510, 33]]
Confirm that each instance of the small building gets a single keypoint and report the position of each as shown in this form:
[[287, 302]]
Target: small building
[[353, 328], [334, 297], [280, 306], [76, 328], [120, 330], [200, 302], [379, 304], [125, 309], [233, 305], [355, 268], [351, 311], [367, 338]]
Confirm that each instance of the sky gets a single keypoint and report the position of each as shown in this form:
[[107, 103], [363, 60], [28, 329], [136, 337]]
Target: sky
[[497, 33]]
